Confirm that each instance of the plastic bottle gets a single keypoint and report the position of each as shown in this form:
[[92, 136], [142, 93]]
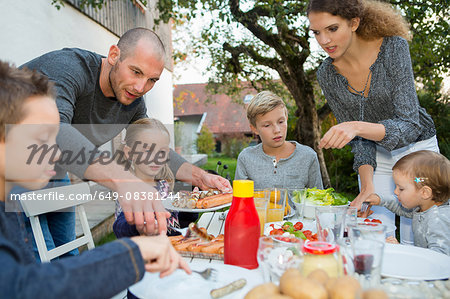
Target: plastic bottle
[[242, 227]]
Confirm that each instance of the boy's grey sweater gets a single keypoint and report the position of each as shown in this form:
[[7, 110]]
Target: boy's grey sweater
[[299, 170], [431, 228]]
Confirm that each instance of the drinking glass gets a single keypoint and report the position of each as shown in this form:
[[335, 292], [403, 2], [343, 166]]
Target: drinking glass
[[367, 261], [330, 223], [261, 199], [368, 231], [275, 210], [351, 219], [298, 197], [275, 256]]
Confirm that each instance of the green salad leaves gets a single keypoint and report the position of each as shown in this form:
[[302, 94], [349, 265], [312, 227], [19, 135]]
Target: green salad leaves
[[327, 197]]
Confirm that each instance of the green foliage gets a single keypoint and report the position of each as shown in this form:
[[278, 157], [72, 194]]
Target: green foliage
[[205, 141], [340, 168], [429, 48], [439, 109], [233, 144], [230, 162], [106, 239]]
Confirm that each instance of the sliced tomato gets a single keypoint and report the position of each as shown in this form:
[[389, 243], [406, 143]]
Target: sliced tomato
[[298, 226], [307, 233], [367, 220], [376, 220], [276, 232], [286, 227]]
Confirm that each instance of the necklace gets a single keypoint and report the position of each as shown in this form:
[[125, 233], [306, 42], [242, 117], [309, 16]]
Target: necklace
[[362, 92]]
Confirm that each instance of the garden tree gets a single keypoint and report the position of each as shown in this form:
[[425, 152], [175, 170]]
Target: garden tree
[[248, 39], [205, 141], [267, 43]]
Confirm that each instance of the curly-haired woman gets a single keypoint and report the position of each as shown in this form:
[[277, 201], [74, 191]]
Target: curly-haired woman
[[369, 84]]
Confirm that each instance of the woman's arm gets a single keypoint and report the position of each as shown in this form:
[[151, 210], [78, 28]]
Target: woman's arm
[[341, 134], [367, 188], [404, 128]]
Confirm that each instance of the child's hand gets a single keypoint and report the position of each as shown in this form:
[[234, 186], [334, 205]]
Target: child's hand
[[392, 240], [159, 255]]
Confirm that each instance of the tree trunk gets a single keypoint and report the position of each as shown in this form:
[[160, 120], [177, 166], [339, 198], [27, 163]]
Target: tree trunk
[[308, 124], [308, 132]]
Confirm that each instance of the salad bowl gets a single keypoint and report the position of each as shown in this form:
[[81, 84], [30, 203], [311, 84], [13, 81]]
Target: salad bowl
[[313, 197]]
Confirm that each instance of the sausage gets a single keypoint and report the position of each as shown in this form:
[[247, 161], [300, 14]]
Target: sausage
[[175, 239], [229, 288], [213, 247], [196, 247], [202, 233], [217, 200], [184, 244]]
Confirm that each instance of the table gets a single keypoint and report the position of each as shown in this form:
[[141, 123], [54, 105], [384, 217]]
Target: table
[[214, 222]]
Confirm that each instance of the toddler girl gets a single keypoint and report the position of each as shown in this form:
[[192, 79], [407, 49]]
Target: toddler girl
[[422, 186]]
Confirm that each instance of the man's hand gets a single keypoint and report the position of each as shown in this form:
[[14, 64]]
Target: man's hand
[[159, 255], [212, 181], [141, 207], [202, 179]]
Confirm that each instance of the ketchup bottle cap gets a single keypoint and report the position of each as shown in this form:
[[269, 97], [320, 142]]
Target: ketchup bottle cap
[[242, 188]]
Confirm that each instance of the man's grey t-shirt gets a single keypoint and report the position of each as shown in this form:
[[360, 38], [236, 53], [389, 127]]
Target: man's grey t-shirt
[[80, 101]]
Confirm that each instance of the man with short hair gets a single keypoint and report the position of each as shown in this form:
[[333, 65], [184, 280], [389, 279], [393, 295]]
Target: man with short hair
[[103, 95]]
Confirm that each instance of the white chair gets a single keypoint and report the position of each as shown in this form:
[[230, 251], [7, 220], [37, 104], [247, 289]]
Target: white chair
[[36, 207]]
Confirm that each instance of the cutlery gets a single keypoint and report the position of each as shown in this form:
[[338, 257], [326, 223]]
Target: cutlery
[[364, 207], [207, 274]]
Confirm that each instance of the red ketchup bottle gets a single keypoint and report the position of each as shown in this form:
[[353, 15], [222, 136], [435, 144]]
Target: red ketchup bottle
[[242, 229]]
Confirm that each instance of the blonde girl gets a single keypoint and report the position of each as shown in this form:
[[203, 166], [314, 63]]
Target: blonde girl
[[145, 151]]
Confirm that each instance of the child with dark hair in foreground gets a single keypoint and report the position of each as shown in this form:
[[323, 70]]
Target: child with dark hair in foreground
[[28, 115]]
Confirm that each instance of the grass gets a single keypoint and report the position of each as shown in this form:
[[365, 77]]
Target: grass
[[212, 165], [106, 239]]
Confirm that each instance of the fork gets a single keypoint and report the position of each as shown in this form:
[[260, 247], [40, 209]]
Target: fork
[[208, 273], [186, 232], [364, 207]]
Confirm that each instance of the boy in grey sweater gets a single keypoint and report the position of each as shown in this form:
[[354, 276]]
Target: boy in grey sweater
[[276, 162]]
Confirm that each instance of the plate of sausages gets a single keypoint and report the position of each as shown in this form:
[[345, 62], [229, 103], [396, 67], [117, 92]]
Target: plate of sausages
[[200, 245], [198, 201]]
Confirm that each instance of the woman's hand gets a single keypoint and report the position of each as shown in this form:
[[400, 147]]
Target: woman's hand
[[362, 197], [373, 199], [159, 255], [392, 240], [339, 135]]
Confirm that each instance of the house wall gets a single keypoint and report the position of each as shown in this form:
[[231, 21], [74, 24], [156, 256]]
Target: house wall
[[189, 133], [33, 27]]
